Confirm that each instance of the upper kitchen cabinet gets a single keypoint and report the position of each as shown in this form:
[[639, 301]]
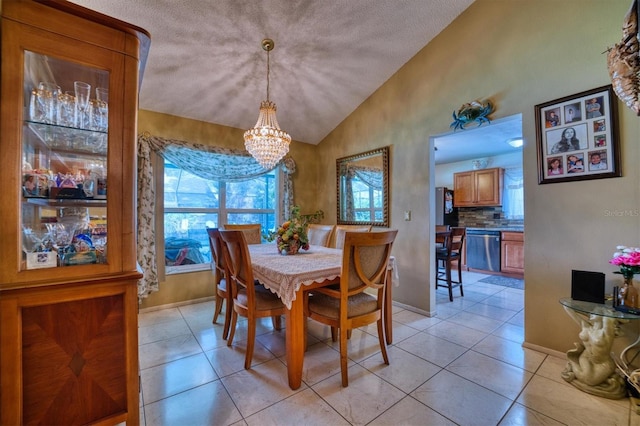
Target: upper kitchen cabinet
[[68, 272], [478, 188]]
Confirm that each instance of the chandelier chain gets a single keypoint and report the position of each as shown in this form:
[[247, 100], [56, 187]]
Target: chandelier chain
[[268, 73]]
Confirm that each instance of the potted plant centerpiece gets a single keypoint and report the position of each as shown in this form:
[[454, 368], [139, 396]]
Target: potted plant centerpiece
[[291, 236]]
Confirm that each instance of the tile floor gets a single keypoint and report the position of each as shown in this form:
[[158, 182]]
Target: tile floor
[[466, 366]]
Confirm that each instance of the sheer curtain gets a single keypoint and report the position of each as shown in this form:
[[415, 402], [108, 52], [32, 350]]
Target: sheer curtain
[[513, 196], [205, 161]]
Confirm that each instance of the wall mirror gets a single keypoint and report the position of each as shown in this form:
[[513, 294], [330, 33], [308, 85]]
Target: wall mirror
[[363, 188]]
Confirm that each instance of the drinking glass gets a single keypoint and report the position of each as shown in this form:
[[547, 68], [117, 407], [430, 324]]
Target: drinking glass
[[48, 93], [34, 240], [101, 110], [102, 94], [67, 109], [83, 92], [62, 235]]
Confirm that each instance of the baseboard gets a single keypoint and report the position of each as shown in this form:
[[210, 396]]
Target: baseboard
[[176, 305], [545, 350], [414, 309]]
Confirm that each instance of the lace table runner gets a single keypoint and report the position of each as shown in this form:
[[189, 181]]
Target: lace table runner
[[284, 275]]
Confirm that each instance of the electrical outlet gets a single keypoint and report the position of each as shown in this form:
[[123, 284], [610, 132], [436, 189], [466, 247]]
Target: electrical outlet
[[407, 215]]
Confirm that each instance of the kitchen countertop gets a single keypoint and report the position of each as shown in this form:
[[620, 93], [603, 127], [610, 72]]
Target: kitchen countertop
[[499, 228]]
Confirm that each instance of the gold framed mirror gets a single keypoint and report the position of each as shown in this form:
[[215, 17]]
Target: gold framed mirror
[[363, 188]]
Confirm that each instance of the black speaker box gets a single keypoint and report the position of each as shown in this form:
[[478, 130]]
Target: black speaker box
[[587, 286]]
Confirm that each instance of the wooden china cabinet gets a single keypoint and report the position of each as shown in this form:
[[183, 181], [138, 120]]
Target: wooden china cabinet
[[68, 272]]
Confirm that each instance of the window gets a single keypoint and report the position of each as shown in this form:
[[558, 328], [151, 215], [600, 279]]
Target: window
[[191, 204], [513, 195]]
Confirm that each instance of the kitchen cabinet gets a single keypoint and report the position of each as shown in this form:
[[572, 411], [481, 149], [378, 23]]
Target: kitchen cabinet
[[478, 188], [512, 253], [68, 272]]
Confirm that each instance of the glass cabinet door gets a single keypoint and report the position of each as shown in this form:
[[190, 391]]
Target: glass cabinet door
[[64, 163]]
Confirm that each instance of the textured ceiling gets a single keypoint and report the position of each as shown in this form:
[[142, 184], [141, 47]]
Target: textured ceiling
[[206, 61], [475, 142]]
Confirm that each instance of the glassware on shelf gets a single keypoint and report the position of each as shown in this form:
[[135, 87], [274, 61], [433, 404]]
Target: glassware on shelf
[[62, 235], [83, 92], [43, 103], [67, 110], [102, 110], [35, 239]]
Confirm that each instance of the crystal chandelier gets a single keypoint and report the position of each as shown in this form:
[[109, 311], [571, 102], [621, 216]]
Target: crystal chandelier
[[266, 142]]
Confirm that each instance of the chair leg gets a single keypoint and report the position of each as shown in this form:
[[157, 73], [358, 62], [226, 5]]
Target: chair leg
[[217, 309], [460, 276], [334, 336], [277, 322], [449, 285], [343, 358], [251, 339], [227, 321], [383, 346], [232, 327]]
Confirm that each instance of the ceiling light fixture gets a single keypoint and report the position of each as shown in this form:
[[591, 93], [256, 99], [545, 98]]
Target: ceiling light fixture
[[266, 142], [515, 142]]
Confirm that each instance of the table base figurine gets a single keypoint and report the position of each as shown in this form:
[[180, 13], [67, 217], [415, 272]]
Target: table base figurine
[[590, 366]]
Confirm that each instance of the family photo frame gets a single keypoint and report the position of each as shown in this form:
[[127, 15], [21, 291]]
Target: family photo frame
[[577, 137]]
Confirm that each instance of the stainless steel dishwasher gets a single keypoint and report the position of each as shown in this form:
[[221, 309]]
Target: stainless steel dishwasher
[[483, 249]]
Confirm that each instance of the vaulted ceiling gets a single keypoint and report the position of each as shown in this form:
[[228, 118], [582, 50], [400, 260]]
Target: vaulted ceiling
[[206, 60]]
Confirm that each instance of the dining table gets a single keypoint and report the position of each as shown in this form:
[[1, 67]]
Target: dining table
[[289, 276]]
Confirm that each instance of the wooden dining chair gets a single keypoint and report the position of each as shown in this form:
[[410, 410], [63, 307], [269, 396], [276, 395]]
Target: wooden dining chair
[[445, 257], [219, 273], [319, 235], [364, 267], [442, 228], [252, 231], [342, 229], [249, 300]]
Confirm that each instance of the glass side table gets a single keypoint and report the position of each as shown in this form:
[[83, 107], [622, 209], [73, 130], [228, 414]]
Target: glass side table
[[591, 367]]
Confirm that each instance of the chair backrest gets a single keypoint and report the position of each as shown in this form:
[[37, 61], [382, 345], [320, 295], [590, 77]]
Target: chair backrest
[[252, 232], [365, 259], [238, 262], [341, 230], [442, 228], [319, 235], [217, 257], [444, 239], [457, 239]]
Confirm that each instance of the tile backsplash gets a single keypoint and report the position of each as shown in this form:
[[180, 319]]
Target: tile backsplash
[[486, 217]]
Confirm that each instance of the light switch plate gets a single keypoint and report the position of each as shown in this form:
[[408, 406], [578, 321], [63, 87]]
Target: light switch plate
[[407, 215]]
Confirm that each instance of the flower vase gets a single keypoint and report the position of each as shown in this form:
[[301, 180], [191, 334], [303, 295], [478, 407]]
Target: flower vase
[[289, 249], [629, 294]]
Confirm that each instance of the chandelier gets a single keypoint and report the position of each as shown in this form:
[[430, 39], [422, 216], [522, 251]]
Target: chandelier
[[266, 142]]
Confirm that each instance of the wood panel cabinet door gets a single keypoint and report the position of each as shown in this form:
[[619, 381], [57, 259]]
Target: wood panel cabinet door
[[488, 187], [478, 188], [463, 189], [512, 253]]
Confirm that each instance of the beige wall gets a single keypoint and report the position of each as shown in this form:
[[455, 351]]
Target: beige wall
[[197, 285], [518, 54]]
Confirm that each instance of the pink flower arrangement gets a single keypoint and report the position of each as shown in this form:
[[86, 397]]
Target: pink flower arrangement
[[628, 259]]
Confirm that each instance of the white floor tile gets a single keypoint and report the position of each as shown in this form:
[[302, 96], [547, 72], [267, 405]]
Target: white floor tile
[[466, 366]]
